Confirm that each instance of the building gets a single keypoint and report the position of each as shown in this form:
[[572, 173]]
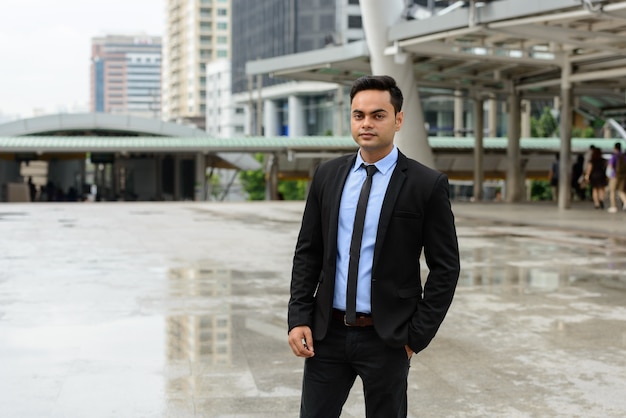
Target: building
[[126, 75], [224, 119], [275, 28], [197, 33]]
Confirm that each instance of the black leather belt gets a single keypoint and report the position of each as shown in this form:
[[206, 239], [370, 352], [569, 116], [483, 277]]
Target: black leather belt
[[362, 319]]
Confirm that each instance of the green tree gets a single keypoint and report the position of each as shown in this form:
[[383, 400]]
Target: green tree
[[540, 190], [253, 181], [292, 189], [545, 126]]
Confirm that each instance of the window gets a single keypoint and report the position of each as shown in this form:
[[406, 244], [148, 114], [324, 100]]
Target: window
[[353, 2], [354, 22], [222, 12], [222, 25], [222, 54], [222, 39]]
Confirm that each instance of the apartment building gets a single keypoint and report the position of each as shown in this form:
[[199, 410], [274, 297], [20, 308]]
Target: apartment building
[[197, 33], [126, 75]]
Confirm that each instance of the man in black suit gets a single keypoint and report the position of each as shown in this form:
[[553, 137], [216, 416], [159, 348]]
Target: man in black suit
[[408, 210]]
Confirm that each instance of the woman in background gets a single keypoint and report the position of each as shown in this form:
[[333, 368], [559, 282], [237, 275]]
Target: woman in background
[[596, 176]]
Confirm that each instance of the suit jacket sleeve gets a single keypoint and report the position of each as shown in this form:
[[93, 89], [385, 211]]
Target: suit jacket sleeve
[[441, 253], [307, 261]]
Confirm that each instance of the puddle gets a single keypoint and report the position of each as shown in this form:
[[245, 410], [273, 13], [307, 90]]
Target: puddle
[[532, 259]]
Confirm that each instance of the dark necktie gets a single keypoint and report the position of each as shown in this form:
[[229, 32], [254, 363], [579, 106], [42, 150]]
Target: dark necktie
[[355, 246]]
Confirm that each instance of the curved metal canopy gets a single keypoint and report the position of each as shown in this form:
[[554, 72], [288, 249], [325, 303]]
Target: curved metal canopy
[[504, 45]]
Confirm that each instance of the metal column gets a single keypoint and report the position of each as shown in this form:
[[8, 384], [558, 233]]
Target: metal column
[[479, 176], [565, 129], [377, 16]]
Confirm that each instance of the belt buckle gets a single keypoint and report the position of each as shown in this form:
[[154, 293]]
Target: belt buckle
[[346, 322]]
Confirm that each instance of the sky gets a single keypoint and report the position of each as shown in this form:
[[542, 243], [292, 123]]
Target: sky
[[45, 49]]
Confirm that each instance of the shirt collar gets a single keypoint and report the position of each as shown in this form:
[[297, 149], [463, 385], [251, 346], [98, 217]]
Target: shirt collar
[[383, 165]]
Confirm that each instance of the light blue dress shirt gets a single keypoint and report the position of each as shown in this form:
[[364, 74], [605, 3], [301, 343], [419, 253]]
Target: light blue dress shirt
[[347, 212]]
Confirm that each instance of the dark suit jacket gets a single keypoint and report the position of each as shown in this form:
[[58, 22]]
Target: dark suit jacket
[[415, 216]]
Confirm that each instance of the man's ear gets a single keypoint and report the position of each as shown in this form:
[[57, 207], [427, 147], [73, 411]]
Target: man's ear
[[399, 120]]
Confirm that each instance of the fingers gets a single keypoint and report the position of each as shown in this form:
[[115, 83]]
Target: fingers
[[301, 341]]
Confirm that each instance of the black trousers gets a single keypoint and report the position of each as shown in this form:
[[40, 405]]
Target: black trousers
[[348, 352]]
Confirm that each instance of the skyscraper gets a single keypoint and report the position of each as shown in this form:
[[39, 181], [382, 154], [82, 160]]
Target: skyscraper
[[126, 75], [198, 32], [272, 28]]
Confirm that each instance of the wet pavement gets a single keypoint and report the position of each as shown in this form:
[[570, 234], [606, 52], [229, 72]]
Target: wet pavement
[[179, 310]]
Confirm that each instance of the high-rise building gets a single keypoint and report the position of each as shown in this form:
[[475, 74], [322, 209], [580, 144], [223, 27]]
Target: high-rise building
[[126, 75], [198, 32], [272, 28]]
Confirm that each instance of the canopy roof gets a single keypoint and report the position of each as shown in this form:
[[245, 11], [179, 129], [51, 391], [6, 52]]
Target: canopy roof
[[490, 50]]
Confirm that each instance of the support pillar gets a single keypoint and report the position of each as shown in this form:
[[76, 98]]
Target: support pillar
[[271, 179], [200, 183], [458, 114], [525, 123], [514, 179], [297, 117], [492, 123], [377, 17], [270, 117], [565, 129], [259, 105], [479, 175]]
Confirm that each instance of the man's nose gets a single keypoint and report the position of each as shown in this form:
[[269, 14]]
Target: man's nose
[[368, 120]]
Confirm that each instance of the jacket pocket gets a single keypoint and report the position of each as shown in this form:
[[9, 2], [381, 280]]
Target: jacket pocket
[[406, 214]]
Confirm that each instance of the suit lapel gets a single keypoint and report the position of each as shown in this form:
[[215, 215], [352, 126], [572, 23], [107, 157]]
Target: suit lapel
[[393, 191]]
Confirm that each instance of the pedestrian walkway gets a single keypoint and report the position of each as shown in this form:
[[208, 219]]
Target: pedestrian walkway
[[179, 310]]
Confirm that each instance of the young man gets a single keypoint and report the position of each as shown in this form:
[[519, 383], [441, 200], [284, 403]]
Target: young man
[[407, 211]]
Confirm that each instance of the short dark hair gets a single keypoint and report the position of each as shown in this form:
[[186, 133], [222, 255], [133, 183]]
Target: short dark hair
[[379, 82], [618, 146]]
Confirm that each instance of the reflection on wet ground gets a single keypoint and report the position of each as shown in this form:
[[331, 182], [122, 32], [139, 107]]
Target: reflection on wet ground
[[180, 310], [526, 259]]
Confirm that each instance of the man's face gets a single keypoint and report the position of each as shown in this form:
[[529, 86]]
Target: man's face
[[374, 123]]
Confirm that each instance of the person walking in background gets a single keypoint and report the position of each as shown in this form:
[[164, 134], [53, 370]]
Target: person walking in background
[[553, 177], [588, 155], [595, 175], [32, 189], [616, 172], [357, 307], [577, 183]]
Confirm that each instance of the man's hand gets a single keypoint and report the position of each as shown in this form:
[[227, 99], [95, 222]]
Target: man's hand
[[409, 352], [301, 341]]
